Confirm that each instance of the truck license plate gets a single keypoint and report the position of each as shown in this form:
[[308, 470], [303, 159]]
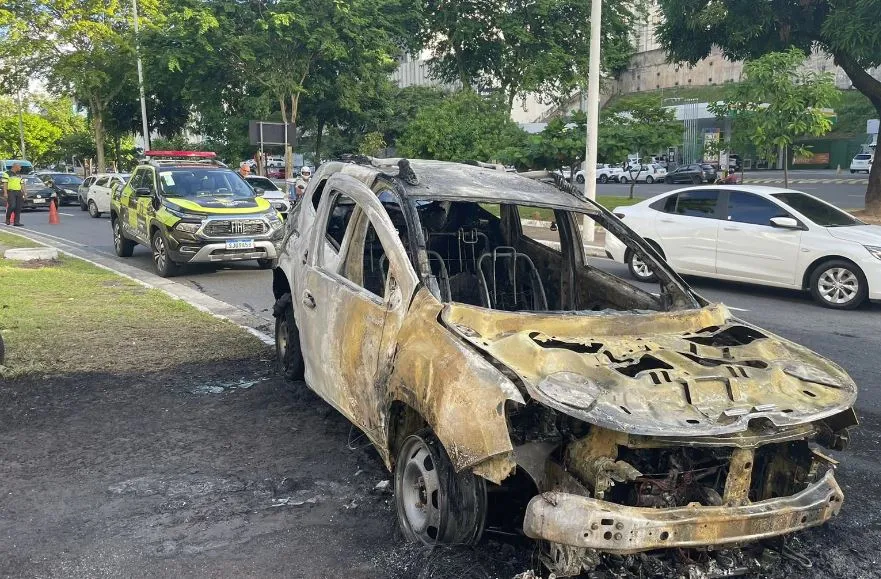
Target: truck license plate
[[240, 244]]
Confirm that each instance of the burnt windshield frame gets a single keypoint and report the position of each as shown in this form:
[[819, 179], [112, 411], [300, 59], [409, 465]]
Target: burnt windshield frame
[[671, 284]]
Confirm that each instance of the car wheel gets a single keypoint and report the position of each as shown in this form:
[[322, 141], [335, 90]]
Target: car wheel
[[622, 179], [639, 269], [267, 263], [668, 180], [288, 355], [162, 262], [436, 505], [649, 180], [697, 180], [124, 247], [852, 171], [603, 179], [93, 209], [839, 284], [580, 179]]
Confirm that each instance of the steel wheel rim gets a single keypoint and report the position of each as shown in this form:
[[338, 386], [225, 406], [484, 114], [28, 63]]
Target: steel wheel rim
[[838, 285], [420, 493], [640, 267], [159, 253], [281, 340]]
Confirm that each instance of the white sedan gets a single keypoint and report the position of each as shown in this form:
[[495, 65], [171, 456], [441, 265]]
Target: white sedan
[[98, 193], [763, 235], [644, 173]]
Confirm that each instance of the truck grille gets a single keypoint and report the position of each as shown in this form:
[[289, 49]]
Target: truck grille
[[225, 227]]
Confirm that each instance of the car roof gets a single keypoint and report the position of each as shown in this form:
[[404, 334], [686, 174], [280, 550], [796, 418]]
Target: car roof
[[762, 190], [447, 181]]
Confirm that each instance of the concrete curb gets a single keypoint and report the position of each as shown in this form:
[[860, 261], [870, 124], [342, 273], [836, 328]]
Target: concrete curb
[[254, 325]]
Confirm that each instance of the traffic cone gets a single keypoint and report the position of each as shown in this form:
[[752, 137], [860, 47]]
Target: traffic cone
[[53, 213]]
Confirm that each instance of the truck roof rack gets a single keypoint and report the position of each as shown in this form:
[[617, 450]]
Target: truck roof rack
[[179, 158]]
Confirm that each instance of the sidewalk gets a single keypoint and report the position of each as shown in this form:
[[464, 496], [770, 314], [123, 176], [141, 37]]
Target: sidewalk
[[541, 231]]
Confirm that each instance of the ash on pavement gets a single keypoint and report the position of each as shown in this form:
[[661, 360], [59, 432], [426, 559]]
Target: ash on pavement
[[223, 470]]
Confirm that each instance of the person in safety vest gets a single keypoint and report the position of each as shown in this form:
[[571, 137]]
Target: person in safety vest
[[13, 193]]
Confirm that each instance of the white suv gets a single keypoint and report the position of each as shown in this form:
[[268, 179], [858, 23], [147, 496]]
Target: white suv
[[862, 162], [762, 235]]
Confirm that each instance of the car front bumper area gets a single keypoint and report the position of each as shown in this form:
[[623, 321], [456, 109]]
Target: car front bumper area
[[218, 252], [584, 522]]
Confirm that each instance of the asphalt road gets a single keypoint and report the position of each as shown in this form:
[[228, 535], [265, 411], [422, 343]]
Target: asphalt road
[[845, 190], [845, 337]]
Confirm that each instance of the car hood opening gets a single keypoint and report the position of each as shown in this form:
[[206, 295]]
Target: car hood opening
[[688, 373]]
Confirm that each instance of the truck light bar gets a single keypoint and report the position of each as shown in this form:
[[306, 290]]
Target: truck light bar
[[181, 154]]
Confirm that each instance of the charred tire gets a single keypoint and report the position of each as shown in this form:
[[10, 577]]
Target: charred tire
[[93, 209], [288, 355], [162, 262], [639, 270], [436, 505], [123, 246], [267, 263], [839, 284]]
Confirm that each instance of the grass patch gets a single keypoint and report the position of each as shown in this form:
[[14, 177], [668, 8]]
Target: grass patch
[[74, 317], [9, 241]]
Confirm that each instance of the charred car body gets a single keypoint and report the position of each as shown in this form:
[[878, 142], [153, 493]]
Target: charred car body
[[480, 359]]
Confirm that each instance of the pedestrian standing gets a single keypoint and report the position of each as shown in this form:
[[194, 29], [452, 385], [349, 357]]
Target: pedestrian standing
[[13, 192], [244, 169], [303, 181]]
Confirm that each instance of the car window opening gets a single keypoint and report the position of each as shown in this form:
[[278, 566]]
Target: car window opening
[[497, 257]]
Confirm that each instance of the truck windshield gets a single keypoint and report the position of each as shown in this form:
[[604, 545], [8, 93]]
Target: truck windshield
[[197, 182]]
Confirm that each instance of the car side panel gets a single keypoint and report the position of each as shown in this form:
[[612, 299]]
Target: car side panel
[[458, 393]]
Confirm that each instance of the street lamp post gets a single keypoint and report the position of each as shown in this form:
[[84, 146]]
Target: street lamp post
[[145, 127], [593, 111]]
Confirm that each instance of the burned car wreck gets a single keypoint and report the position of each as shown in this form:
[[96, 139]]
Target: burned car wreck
[[500, 375]]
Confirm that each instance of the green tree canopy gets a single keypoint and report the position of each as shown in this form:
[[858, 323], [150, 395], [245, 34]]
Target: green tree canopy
[[744, 29], [779, 102], [465, 126]]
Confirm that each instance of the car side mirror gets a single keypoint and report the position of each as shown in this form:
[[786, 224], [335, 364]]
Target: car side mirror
[[785, 223], [259, 191], [143, 192]]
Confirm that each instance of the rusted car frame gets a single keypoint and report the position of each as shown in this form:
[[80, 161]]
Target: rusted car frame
[[640, 420]]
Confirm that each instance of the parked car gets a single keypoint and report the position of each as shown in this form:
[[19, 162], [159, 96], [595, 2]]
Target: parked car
[[99, 193], [862, 162], [605, 173], [693, 173], [65, 185], [37, 193], [762, 235], [265, 188], [275, 172], [644, 174], [602, 419], [83, 192]]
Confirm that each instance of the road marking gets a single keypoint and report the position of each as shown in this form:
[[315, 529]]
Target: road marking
[[66, 214]]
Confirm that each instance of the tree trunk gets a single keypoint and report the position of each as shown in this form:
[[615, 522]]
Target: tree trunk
[[871, 87], [98, 127], [117, 145], [318, 140], [786, 167]]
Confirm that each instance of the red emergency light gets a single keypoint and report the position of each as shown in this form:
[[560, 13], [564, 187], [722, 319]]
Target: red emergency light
[[181, 154]]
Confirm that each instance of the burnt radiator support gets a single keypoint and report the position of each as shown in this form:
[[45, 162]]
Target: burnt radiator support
[[740, 474]]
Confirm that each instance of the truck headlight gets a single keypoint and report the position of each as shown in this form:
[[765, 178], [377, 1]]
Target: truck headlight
[[188, 227], [874, 250]]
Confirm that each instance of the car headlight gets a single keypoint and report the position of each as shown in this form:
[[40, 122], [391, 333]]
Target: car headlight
[[874, 250], [188, 227]]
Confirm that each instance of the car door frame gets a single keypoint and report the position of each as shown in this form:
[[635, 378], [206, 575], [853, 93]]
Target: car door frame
[[671, 253], [753, 232], [330, 371]]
